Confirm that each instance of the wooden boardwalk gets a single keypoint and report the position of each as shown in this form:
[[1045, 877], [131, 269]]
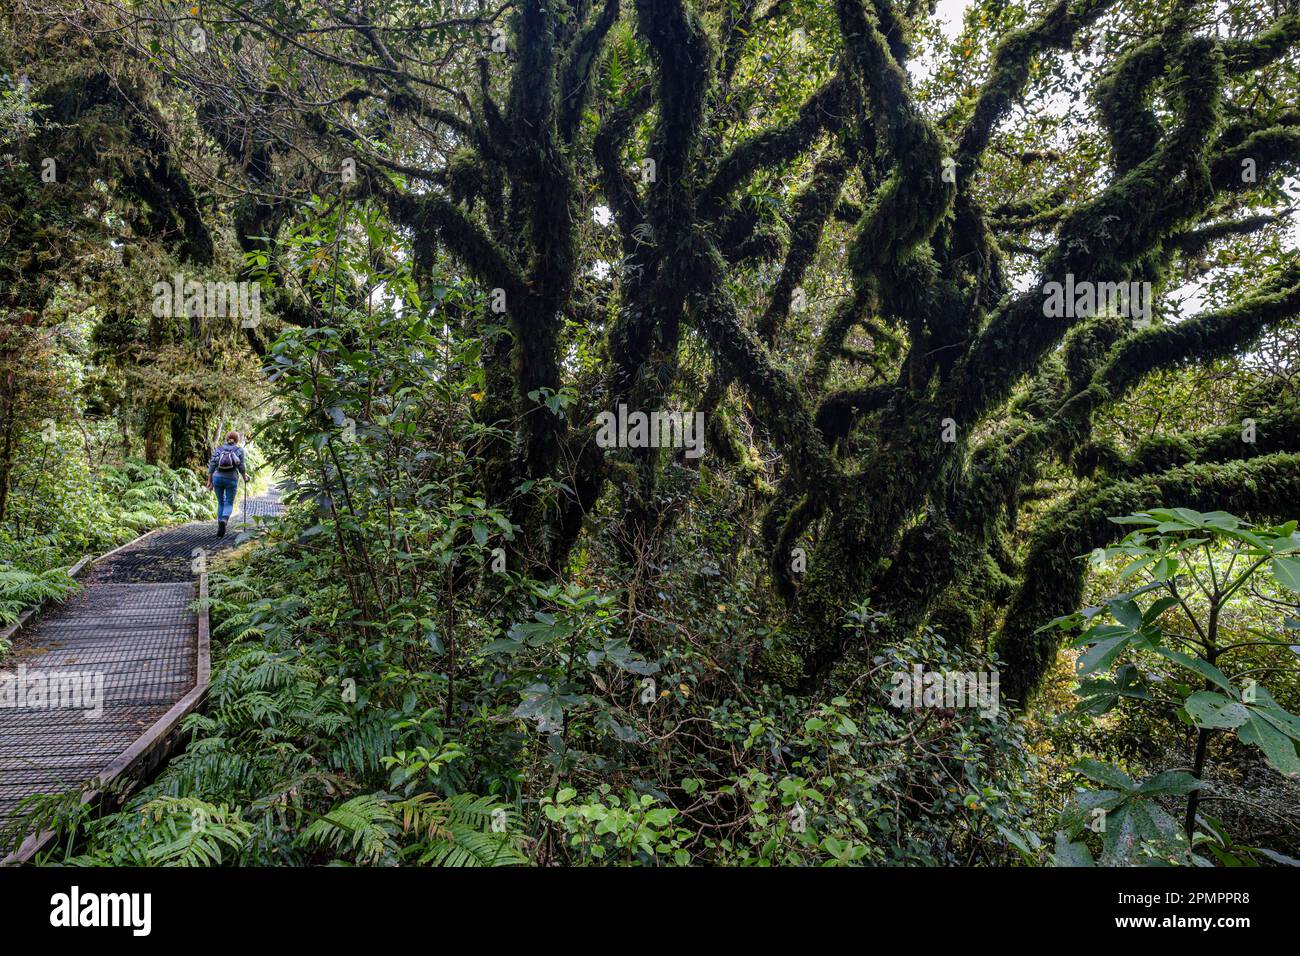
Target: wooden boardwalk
[[107, 677]]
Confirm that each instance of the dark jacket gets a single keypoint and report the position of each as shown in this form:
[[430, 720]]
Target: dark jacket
[[227, 472]]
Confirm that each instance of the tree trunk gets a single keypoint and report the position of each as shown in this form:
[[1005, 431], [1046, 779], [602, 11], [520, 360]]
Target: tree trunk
[[6, 466], [189, 437], [157, 435]]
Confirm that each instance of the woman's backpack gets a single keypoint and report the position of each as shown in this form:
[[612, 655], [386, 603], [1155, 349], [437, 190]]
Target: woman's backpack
[[227, 459]]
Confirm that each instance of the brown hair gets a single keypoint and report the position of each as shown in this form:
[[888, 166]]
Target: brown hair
[[232, 438]]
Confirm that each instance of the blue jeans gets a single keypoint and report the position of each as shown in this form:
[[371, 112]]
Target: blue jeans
[[226, 488]]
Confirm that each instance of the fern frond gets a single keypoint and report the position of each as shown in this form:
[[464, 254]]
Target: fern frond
[[365, 825]]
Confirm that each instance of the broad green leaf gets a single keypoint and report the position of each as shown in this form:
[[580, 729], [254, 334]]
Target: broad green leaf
[[1164, 569], [1100, 695], [1279, 858], [1018, 843], [1151, 822], [1170, 781], [1214, 711], [1157, 608], [1127, 613], [1279, 718], [1133, 567], [435, 641], [1202, 667], [544, 706], [1121, 837], [1100, 632], [1278, 748], [1101, 655], [1105, 773], [1071, 854], [1287, 572]]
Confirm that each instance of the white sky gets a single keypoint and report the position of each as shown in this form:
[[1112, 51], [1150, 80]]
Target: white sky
[[948, 13]]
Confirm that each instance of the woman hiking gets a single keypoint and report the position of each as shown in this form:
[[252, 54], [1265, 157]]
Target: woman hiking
[[224, 469]]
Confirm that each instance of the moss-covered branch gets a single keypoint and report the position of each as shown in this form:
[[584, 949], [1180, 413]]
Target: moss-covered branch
[[745, 359], [578, 64], [811, 209], [1271, 45], [1089, 246], [1010, 72], [1272, 433], [772, 147], [432, 214]]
